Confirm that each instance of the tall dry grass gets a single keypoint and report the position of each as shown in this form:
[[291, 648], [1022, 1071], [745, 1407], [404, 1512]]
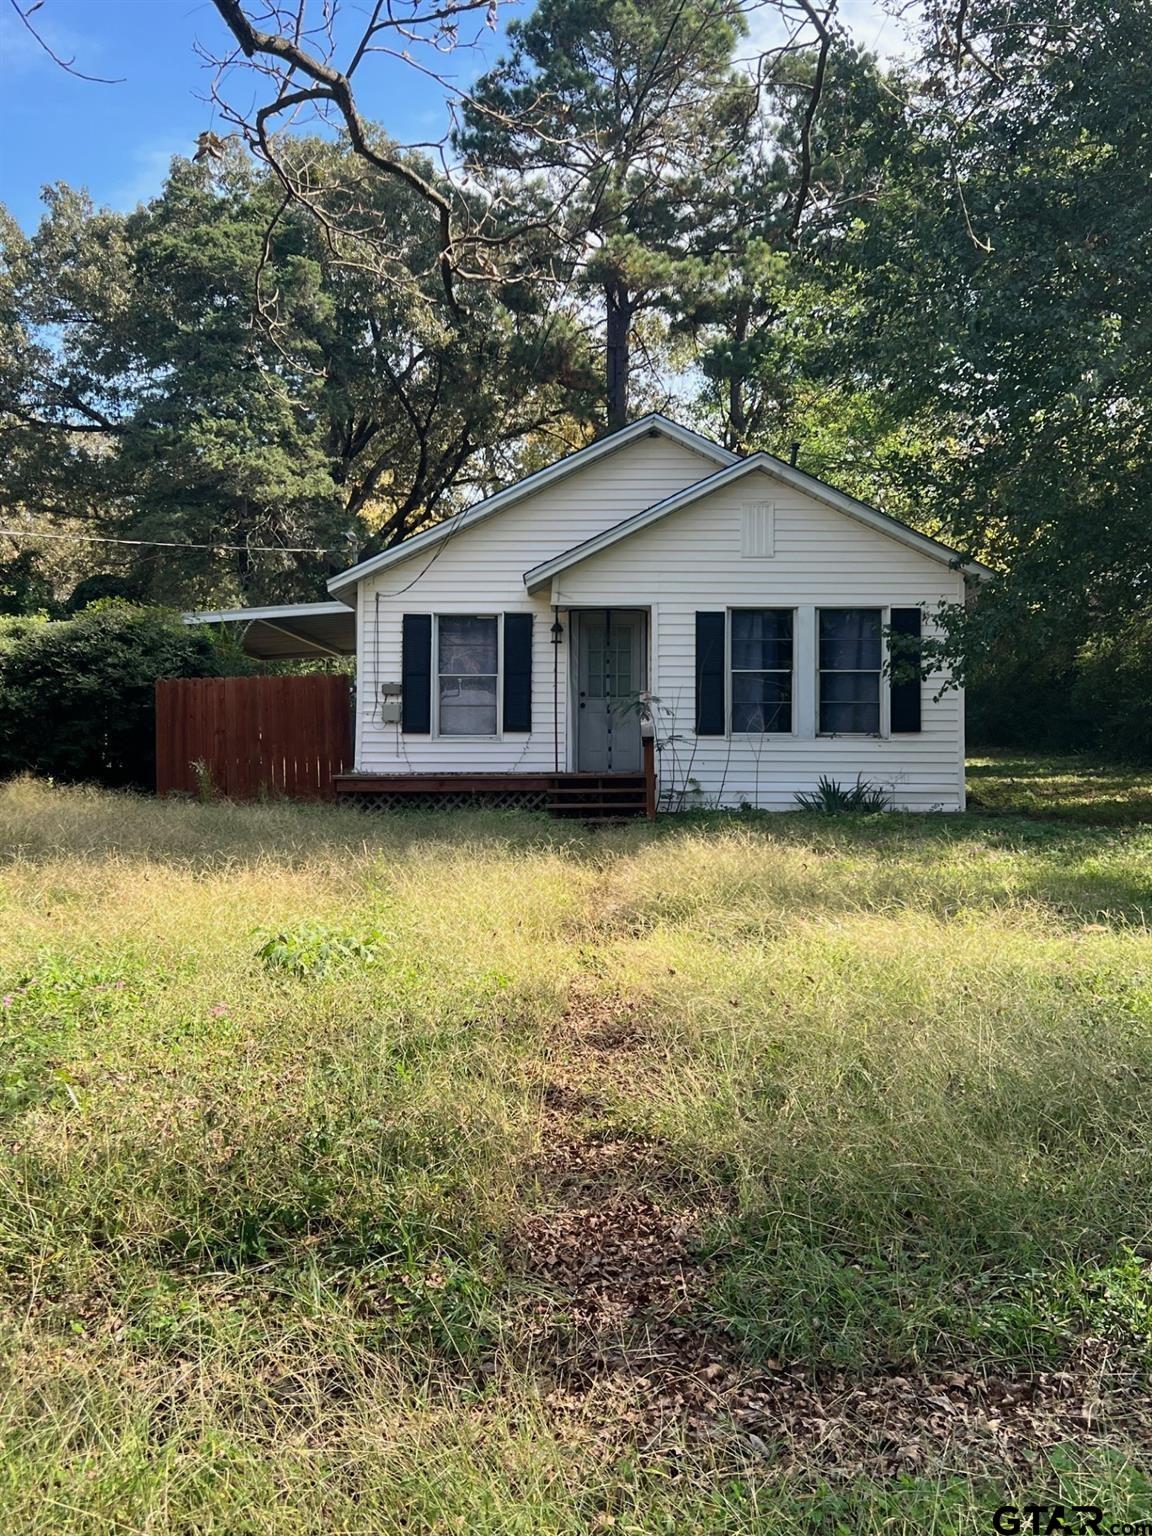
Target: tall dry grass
[[272, 1084]]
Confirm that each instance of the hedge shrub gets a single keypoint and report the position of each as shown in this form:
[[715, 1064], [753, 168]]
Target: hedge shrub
[[77, 697]]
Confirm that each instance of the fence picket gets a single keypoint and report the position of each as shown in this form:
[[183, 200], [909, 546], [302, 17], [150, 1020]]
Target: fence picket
[[275, 735]]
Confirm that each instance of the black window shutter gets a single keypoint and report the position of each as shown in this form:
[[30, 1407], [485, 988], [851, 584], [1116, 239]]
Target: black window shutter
[[518, 671], [905, 694], [416, 674], [710, 646]]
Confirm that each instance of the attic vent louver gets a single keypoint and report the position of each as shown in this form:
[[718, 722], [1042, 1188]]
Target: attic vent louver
[[757, 530]]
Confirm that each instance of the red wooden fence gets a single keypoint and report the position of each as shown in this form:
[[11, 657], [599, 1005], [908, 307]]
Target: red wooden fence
[[253, 735]]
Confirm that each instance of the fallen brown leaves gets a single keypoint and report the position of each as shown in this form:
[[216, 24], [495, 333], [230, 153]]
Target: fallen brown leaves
[[616, 1324]]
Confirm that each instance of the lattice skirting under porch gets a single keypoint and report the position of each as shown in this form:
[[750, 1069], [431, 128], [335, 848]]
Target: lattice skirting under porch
[[452, 800]]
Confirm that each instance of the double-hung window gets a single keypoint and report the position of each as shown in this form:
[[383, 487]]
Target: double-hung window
[[468, 671], [851, 662], [761, 650]]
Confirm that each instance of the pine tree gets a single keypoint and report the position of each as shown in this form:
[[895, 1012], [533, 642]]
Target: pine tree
[[621, 111]]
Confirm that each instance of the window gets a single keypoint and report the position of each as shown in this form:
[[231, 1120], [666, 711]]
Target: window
[[850, 666], [467, 671], [761, 669]]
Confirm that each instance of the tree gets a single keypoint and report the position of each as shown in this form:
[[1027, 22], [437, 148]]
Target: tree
[[308, 66], [98, 673], [978, 233], [25, 587], [623, 113], [300, 68], [219, 369]]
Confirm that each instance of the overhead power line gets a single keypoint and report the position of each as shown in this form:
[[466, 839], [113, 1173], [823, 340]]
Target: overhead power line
[[96, 538]]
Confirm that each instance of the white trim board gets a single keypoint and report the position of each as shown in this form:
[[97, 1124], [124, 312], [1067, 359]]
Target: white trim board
[[652, 424], [540, 575], [281, 611]]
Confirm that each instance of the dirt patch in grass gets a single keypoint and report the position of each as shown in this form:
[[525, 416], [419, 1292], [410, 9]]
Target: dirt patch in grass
[[618, 1327], [597, 1046], [613, 1252], [598, 1025]]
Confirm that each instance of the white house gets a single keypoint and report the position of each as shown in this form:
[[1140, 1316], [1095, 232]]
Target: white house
[[739, 605]]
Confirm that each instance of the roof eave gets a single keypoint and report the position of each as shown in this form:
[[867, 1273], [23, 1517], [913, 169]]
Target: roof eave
[[651, 424], [271, 611], [870, 517]]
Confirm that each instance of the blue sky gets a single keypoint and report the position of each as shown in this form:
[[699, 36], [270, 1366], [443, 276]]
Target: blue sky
[[117, 140]]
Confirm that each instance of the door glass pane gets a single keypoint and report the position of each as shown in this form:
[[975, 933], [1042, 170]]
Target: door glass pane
[[762, 638], [595, 661], [849, 637], [620, 682]]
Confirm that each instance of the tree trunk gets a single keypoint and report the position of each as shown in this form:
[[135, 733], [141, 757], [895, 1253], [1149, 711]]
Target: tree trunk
[[619, 302], [737, 413], [244, 571], [737, 420]]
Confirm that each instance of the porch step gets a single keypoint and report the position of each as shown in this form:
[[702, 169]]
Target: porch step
[[622, 790], [607, 797]]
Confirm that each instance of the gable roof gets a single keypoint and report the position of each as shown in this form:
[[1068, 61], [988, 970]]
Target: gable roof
[[651, 424], [798, 479]]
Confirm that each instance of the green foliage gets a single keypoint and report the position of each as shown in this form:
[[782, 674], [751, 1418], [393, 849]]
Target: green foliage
[[314, 949], [832, 798], [39, 1011], [653, 117], [1031, 687], [77, 696], [1112, 690], [991, 288], [12, 630], [352, 408], [25, 586]]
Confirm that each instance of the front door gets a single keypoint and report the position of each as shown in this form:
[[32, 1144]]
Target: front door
[[609, 679]]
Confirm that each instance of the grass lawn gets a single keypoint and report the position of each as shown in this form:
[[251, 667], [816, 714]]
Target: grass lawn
[[1067, 788], [474, 1173]]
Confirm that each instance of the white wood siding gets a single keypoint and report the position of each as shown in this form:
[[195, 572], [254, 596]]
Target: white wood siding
[[481, 570], [692, 560]]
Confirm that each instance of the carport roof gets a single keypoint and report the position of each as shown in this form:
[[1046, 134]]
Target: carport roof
[[289, 631]]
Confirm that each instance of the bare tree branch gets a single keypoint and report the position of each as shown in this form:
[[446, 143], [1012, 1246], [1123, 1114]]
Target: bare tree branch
[[821, 21], [68, 65], [334, 86]]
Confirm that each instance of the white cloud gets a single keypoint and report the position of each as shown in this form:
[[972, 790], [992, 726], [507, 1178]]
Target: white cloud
[[146, 174], [23, 54]]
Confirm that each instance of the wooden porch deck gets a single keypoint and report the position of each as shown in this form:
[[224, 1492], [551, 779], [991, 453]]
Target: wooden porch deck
[[570, 796]]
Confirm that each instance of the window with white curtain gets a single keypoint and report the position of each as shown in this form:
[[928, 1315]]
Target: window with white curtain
[[468, 669], [851, 663]]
